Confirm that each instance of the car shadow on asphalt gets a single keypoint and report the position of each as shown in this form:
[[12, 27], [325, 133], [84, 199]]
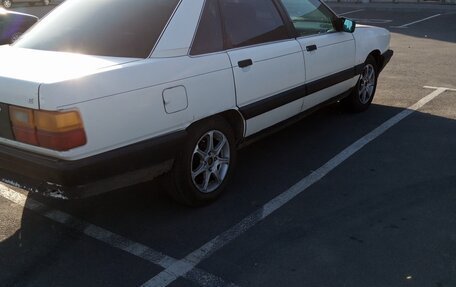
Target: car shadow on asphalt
[[44, 253]]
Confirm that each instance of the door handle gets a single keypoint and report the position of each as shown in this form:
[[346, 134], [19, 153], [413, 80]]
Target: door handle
[[245, 63], [311, 48]]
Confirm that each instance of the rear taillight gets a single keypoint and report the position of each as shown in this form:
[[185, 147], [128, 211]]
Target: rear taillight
[[54, 130]]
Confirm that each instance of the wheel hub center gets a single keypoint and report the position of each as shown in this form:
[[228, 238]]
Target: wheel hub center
[[210, 161]]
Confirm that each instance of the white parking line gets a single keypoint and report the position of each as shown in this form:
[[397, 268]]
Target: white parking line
[[415, 22], [185, 265], [350, 12], [199, 277], [436, 88]]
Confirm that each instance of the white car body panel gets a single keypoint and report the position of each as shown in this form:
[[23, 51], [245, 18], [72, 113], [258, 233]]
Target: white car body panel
[[370, 39], [335, 52], [136, 107], [23, 71]]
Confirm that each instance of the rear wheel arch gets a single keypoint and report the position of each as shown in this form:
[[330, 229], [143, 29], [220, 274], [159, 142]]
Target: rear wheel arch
[[237, 123], [233, 118]]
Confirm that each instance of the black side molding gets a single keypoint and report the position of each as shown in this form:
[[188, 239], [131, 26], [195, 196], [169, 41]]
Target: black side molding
[[268, 104]]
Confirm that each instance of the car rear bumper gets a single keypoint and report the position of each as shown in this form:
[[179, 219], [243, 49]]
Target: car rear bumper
[[89, 176]]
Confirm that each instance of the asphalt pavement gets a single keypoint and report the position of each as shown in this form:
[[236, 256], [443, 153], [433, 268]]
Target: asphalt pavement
[[337, 199]]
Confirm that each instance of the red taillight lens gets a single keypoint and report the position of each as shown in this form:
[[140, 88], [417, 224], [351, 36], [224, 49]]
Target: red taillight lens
[[25, 135], [61, 141], [54, 130]]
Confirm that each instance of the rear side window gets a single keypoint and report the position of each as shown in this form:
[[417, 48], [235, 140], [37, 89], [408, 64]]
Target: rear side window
[[115, 28], [209, 36], [250, 22]]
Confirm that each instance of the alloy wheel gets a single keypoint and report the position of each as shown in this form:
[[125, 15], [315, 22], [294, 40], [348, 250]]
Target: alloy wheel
[[366, 86], [210, 161]]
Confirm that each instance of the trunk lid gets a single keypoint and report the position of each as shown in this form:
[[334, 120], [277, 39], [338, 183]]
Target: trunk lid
[[22, 71]]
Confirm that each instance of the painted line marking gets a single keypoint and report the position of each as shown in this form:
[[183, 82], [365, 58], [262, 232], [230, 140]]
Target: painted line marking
[[185, 265], [415, 22], [142, 251], [436, 88], [350, 12]]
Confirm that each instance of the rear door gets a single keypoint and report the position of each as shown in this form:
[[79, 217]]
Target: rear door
[[268, 64]]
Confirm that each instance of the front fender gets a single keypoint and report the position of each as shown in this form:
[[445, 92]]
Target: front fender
[[369, 39]]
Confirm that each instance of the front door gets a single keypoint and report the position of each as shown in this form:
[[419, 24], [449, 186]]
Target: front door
[[329, 55]]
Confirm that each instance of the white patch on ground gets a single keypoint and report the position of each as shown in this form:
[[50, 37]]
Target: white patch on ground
[[16, 184]]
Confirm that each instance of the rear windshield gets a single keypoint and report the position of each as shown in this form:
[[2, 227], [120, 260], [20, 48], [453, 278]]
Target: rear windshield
[[116, 28]]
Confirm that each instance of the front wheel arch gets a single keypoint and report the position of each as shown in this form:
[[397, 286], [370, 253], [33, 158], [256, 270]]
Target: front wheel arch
[[358, 101], [377, 56]]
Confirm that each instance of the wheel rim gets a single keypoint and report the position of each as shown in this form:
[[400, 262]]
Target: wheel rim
[[7, 4], [366, 86], [210, 161]]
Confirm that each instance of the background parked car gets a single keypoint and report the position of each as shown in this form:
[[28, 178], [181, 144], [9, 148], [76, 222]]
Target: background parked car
[[9, 3], [14, 24]]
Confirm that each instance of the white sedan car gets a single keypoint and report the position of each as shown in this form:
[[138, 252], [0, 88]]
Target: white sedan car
[[118, 94]]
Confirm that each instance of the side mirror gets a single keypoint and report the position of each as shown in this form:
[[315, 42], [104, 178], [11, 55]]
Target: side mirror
[[344, 25], [348, 25]]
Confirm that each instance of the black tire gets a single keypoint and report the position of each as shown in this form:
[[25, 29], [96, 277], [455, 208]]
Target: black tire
[[189, 189], [363, 93], [7, 3]]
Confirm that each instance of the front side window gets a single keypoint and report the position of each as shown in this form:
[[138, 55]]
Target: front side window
[[309, 17], [250, 22], [102, 27]]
